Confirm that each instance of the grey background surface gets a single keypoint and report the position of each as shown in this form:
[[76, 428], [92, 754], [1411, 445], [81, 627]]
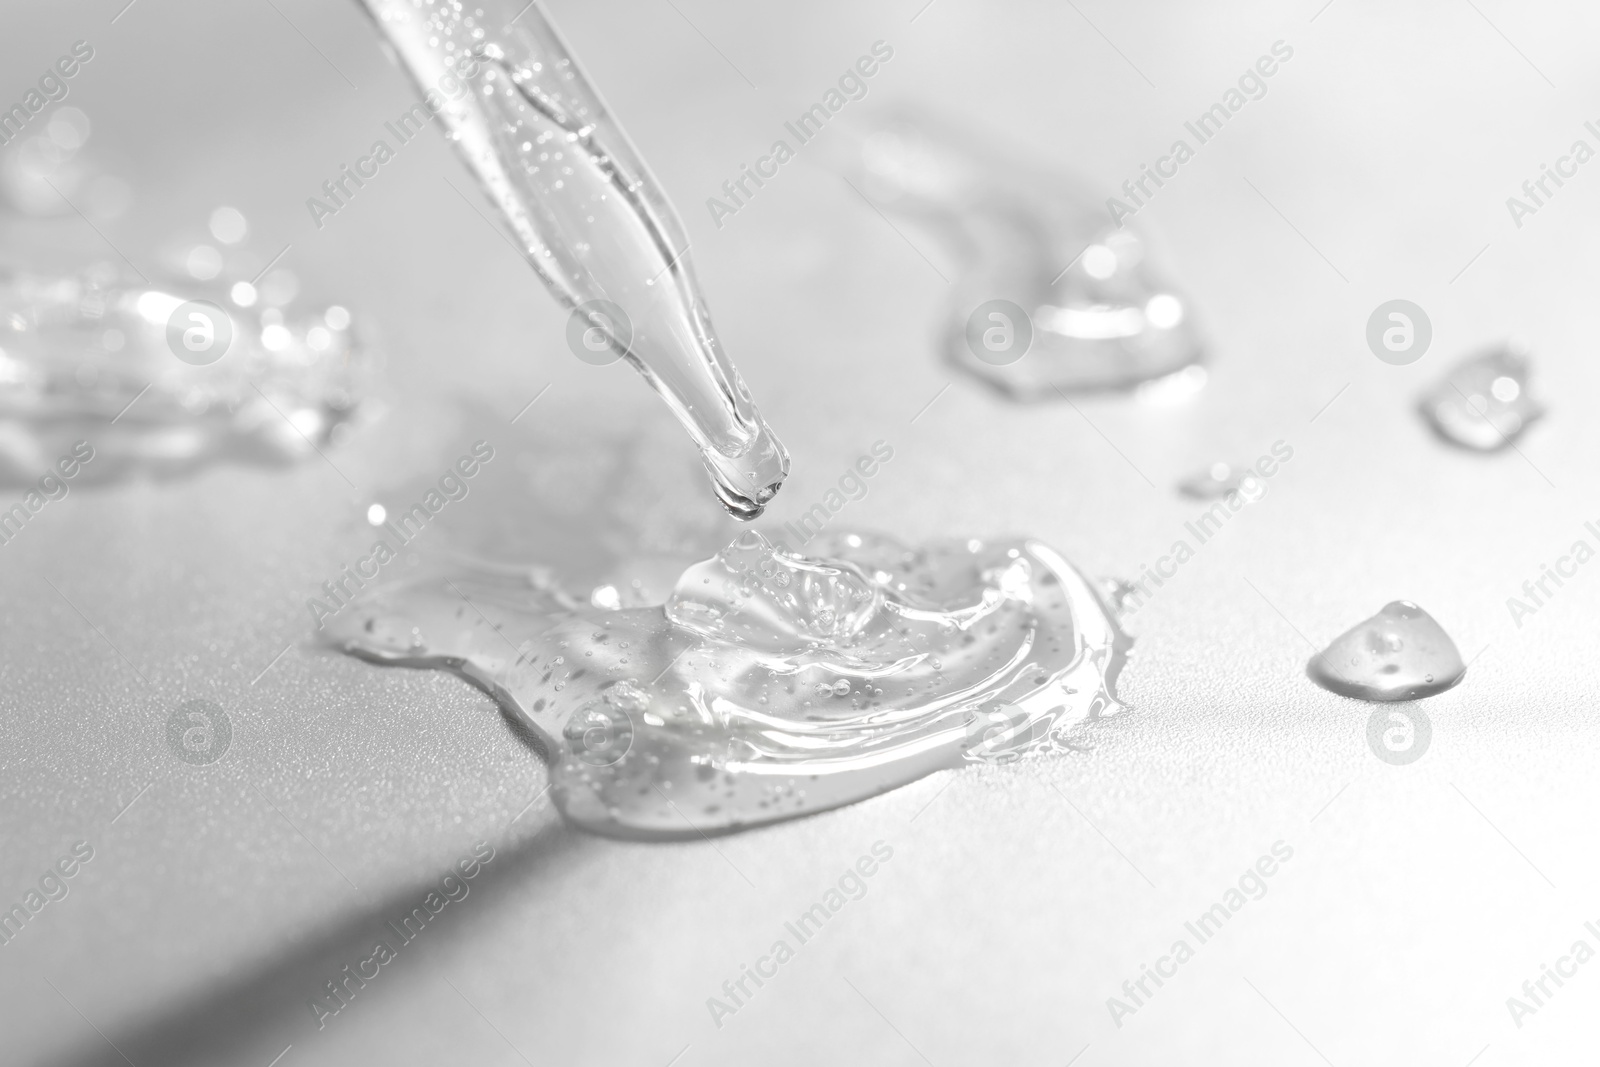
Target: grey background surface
[[1018, 899]]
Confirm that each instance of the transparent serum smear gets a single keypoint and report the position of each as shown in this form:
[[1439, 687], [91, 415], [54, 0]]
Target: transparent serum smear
[[1401, 653], [86, 356], [769, 685], [588, 216], [1483, 402], [1103, 317]]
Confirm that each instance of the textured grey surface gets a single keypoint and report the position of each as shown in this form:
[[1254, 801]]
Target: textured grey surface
[[1018, 899]]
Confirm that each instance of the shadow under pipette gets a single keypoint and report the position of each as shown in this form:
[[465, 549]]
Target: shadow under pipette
[[263, 1006], [591, 502]]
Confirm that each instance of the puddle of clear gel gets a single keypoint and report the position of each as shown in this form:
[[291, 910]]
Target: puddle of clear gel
[[1401, 653], [587, 214], [85, 357], [1103, 315], [769, 685], [1483, 402]]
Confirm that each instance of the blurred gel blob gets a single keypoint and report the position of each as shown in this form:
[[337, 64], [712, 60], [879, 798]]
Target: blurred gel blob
[[1100, 314], [1220, 479], [769, 685], [51, 171], [95, 356], [1483, 402], [1401, 653]]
